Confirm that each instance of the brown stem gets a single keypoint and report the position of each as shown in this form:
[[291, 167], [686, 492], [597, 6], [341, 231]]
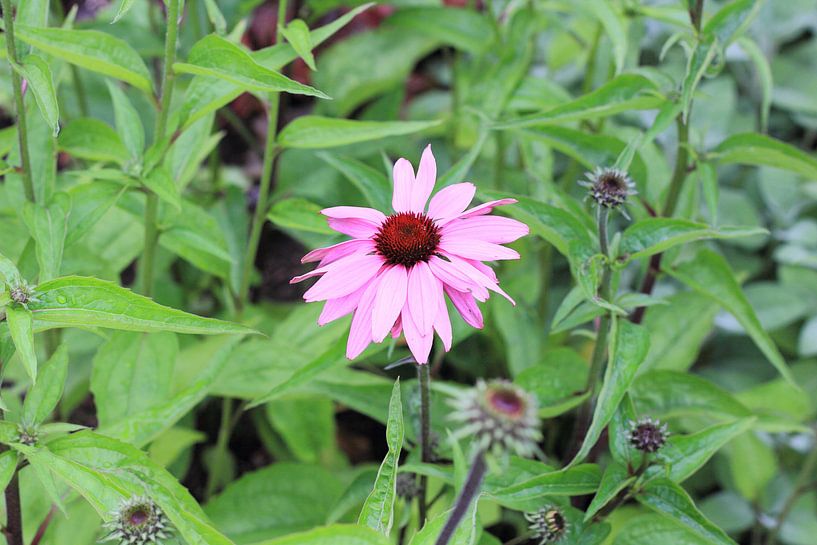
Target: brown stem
[[14, 518], [468, 494], [44, 526]]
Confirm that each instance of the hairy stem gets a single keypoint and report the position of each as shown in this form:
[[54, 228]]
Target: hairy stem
[[152, 203], [19, 104], [467, 495], [424, 379]]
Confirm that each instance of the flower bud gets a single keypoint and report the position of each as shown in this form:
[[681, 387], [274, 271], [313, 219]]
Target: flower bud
[[609, 187], [138, 521], [548, 524], [648, 434], [27, 435], [21, 293]]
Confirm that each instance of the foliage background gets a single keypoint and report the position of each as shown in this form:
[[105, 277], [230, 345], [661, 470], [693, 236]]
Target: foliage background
[[494, 88]]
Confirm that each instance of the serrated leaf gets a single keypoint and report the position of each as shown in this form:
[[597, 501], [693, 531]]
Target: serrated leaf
[[628, 347], [297, 34], [710, 274], [300, 214], [615, 479], [48, 226], [92, 139], [217, 57], [43, 397], [38, 75], [21, 327], [757, 149], [378, 509], [317, 132], [89, 302], [97, 51]]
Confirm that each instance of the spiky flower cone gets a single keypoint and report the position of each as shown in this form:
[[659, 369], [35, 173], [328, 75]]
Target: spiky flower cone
[[138, 521], [609, 187], [500, 416], [648, 434], [548, 524]]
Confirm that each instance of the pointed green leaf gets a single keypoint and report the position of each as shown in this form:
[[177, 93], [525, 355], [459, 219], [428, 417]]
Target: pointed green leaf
[[124, 7], [21, 327], [38, 75], [215, 16], [161, 182], [297, 34], [673, 394], [757, 149], [92, 139], [89, 302], [316, 132], [464, 29], [374, 185], [336, 534], [731, 20], [48, 226], [43, 397], [300, 214], [615, 26], [614, 480], [128, 121], [571, 481]]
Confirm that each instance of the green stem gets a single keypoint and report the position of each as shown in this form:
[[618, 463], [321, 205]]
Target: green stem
[[424, 380], [222, 442], [801, 484], [152, 201], [17, 87], [79, 89], [681, 169]]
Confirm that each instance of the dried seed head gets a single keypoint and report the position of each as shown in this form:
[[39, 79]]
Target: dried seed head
[[548, 524], [407, 486], [138, 521], [648, 434], [22, 293], [27, 435], [500, 416], [609, 187]]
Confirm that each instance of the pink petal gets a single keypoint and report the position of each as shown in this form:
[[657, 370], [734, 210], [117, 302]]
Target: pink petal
[[475, 274], [359, 212], [403, 176], [340, 307], [466, 306], [397, 328], [424, 183], [360, 334], [450, 275], [484, 269], [424, 290], [389, 301], [419, 344], [354, 227], [344, 276], [494, 229], [476, 249], [450, 201], [333, 253], [485, 208], [442, 324]]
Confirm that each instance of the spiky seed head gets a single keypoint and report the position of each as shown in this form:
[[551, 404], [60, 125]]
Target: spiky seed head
[[22, 293], [648, 434], [138, 521], [609, 187], [27, 435], [407, 486], [500, 416], [548, 524]]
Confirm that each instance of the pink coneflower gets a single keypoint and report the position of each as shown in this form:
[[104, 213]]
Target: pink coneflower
[[394, 272]]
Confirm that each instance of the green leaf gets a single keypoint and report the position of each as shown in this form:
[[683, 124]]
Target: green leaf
[[731, 20], [128, 121], [764, 75], [336, 534], [628, 348], [615, 479], [124, 7], [38, 75], [557, 382], [463, 29], [297, 34], [709, 182], [464, 534], [21, 327], [160, 182], [215, 16], [8, 271], [48, 225], [374, 185], [699, 61], [649, 529], [623, 93], [217, 57], [615, 26], [300, 214], [652, 236], [91, 49], [306, 423], [710, 274], [757, 149], [8, 465], [89, 203], [378, 509], [43, 397], [571, 481], [90, 302], [670, 500], [316, 132], [92, 139], [672, 394], [685, 454]]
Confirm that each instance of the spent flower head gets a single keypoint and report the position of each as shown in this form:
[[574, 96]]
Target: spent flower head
[[500, 416], [22, 293], [396, 271], [27, 435], [138, 521], [609, 187], [548, 524], [648, 434]]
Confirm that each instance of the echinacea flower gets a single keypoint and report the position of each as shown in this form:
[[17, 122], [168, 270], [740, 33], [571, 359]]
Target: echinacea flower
[[395, 272], [138, 521], [548, 524], [609, 187], [648, 434]]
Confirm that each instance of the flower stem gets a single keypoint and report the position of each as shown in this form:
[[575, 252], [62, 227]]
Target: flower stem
[[14, 517], [17, 87], [270, 153], [424, 379], [152, 202], [468, 494]]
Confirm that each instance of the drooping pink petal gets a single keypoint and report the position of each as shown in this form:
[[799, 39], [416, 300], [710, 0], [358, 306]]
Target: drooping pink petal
[[340, 307], [403, 175], [389, 301], [360, 334], [424, 290], [451, 201], [483, 268], [360, 212], [344, 276], [494, 229], [466, 305], [354, 227], [442, 325], [476, 249], [450, 275], [424, 183], [465, 266], [485, 208], [418, 343], [333, 253]]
